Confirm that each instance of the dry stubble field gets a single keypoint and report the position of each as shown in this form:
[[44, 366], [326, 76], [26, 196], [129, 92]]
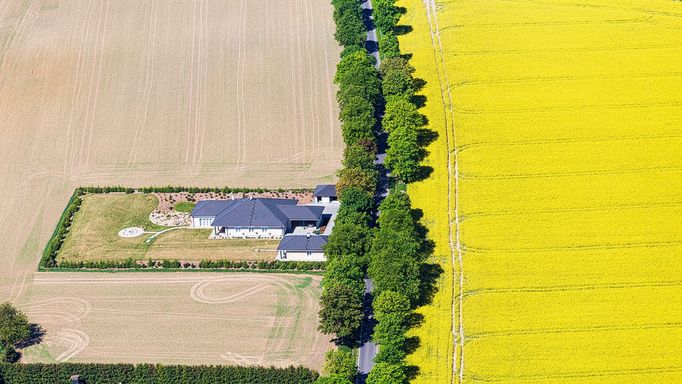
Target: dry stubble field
[[562, 120], [153, 92]]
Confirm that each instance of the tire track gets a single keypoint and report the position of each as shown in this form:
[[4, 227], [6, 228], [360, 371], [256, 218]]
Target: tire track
[[456, 251], [148, 84], [592, 329], [570, 174], [566, 288]]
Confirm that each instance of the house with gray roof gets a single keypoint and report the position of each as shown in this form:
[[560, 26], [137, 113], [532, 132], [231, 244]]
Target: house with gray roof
[[307, 247], [255, 218], [325, 193]]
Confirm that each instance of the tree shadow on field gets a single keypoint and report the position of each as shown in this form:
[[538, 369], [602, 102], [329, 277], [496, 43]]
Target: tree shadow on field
[[35, 337], [402, 29]]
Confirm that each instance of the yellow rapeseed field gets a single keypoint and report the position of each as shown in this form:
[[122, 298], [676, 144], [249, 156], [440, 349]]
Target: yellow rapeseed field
[[562, 124]]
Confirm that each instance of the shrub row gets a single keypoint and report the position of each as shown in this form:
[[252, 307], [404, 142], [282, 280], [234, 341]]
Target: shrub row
[[176, 189], [204, 264], [151, 374], [49, 258]]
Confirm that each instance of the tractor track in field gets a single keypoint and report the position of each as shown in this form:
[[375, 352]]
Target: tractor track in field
[[453, 194]]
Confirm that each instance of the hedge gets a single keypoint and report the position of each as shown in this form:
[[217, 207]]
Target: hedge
[[152, 374], [161, 265]]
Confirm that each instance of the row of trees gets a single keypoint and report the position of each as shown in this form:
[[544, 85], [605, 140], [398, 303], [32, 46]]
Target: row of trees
[[349, 244], [398, 249], [152, 374]]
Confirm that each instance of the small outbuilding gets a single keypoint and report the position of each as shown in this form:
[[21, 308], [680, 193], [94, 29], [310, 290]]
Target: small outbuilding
[[325, 193], [306, 247]]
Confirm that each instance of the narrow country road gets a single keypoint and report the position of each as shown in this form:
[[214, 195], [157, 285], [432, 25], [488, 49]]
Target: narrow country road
[[368, 349]]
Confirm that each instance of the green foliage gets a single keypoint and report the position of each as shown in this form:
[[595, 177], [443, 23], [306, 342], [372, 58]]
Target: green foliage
[[363, 179], [357, 119], [340, 363], [14, 326], [355, 156], [351, 236], [341, 310], [350, 30], [333, 379], [401, 121], [153, 374], [386, 15], [356, 72], [400, 112], [184, 206], [389, 303], [385, 373], [389, 45], [355, 200], [390, 329], [49, 258], [271, 265], [396, 78]]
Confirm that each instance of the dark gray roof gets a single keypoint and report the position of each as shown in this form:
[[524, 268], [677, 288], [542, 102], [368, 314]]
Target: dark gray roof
[[210, 208], [253, 213], [312, 243], [302, 212], [325, 190]]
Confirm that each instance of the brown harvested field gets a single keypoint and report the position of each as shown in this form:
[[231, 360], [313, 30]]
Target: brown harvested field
[[152, 92], [231, 318]]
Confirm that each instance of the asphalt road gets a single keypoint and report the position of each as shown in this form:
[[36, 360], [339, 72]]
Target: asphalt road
[[368, 349]]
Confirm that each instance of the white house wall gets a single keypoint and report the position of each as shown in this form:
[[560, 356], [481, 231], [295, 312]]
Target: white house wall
[[202, 222], [255, 232], [300, 256]]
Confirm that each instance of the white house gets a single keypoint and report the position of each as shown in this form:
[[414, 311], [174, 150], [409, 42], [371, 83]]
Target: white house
[[302, 248], [255, 218]]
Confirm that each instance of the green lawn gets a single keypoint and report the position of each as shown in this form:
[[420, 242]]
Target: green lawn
[[184, 206], [94, 235]]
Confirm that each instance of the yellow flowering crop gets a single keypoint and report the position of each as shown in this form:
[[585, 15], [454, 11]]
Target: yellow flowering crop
[[563, 119]]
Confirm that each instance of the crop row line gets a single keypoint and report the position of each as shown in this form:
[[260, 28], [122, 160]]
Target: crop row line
[[599, 328]]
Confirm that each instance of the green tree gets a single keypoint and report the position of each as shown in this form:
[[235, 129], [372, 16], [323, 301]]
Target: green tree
[[390, 303], [385, 373], [357, 119], [396, 75], [351, 236], [394, 265], [386, 15], [14, 326], [340, 362], [350, 30], [341, 311], [357, 70], [365, 180], [347, 270], [355, 200], [400, 112], [355, 156], [403, 153], [388, 45]]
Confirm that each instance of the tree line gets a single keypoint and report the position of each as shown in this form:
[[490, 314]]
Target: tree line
[[392, 248], [152, 374]]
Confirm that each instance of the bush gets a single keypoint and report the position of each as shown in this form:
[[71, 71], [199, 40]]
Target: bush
[[385, 373], [388, 45], [341, 363]]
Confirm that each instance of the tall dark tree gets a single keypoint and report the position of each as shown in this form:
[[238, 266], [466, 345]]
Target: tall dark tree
[[341, 311], [396, 74]]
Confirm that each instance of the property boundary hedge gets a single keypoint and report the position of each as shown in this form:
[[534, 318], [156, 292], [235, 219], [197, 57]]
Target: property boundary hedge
[[48, 261], [152, 374]]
